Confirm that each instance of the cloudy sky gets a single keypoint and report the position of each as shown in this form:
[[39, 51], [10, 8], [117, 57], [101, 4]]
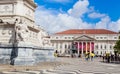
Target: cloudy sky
[[60, 15]]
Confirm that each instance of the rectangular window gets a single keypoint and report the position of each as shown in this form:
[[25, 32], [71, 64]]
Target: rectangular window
[[65, 37], [56, 37], [60, 46], [101, 37], [96, 46], [115, 37], [101, 46], [105, 37], [65, 46], [105, 46], [110, 46]]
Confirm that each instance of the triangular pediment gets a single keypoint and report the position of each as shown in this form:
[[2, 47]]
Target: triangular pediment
[[84, 37]]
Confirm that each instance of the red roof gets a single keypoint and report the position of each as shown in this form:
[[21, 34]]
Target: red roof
[[87, 31]]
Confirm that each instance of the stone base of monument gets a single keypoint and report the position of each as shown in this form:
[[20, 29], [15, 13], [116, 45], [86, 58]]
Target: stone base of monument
[[5, 55], [24, 61], [44, 55], [24, 55]]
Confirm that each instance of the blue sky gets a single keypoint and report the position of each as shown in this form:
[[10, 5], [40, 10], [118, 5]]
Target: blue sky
[[78, 14]]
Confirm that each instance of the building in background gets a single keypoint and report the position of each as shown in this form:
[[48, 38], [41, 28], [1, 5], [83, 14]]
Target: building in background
[[80, 41]]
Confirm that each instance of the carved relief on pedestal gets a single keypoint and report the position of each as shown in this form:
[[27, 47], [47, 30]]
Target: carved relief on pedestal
[[3, 32], [29, 12], [6, 9]]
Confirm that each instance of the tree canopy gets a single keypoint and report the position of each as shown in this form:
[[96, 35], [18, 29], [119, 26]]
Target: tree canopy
[[117, 46]]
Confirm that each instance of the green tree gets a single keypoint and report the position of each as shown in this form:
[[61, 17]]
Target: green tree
[[117, 46]]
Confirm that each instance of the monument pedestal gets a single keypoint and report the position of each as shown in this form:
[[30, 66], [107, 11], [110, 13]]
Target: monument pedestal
[[24, 55], [5, 55]]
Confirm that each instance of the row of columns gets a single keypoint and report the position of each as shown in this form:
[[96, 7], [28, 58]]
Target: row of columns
[[82, 51]]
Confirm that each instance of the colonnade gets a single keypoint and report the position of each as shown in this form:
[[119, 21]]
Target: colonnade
[[84, 46]]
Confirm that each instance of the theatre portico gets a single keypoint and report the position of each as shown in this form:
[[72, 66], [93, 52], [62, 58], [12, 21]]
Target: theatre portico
[[84, 44]]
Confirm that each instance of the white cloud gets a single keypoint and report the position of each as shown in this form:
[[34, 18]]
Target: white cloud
[[114, 26], [96, 15], [54, 21], [79, 8], [59, 1], [103, 23]]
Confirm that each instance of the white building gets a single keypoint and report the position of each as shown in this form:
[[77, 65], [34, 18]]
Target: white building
[[80, 41]]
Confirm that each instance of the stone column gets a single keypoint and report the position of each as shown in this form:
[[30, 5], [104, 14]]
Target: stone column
[[108, 47], [90, 47], [86, 47], [78, 48], [82, 48]]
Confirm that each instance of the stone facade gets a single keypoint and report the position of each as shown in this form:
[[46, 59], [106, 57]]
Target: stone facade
[[67, 42], [19, 36]]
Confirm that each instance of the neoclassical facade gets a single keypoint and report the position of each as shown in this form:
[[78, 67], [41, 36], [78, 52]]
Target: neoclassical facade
[[81, 41]]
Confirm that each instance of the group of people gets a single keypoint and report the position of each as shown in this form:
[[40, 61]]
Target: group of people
[[89, 56], [107, 57]]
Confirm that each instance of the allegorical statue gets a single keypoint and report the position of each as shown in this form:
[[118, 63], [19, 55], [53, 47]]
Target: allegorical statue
[[22, 31]]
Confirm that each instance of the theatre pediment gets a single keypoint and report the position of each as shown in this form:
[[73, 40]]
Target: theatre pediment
[[84, 37]]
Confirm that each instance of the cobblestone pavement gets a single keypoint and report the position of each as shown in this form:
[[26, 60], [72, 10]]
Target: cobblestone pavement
[[76, 66]]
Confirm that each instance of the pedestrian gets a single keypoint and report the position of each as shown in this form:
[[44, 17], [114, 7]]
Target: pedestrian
[[103, 57], [92, 56]]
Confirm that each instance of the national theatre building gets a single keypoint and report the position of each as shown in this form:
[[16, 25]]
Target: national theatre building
[[80, 41]]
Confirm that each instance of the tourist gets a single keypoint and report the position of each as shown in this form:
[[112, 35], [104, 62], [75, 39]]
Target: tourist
[[92, 56], [87, 56], [108, 57], [103, 57]]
